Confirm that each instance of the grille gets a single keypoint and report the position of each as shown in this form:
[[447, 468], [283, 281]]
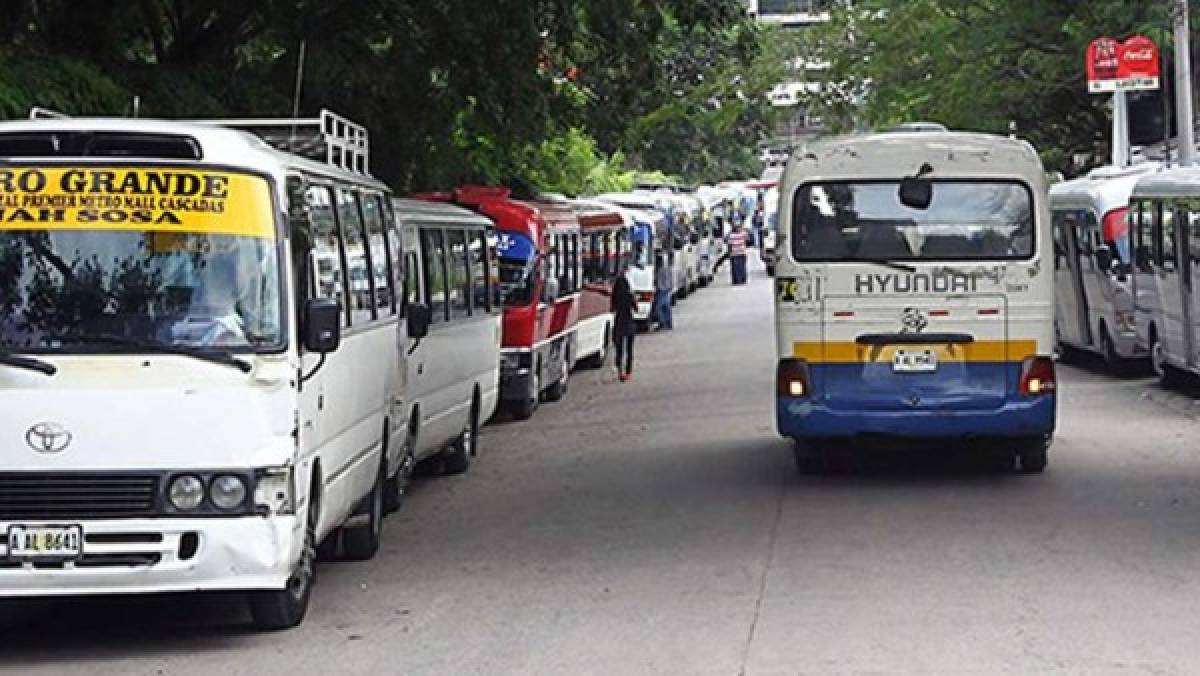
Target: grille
[[30, 496], [131, 560]]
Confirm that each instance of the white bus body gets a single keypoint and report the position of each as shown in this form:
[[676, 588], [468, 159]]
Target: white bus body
[[1092, 263], [167, 430], [652, 231], [1164, 214], [453, 374], [910, 321]]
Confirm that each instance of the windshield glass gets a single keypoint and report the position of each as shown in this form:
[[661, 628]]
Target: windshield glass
[[517, 263], [642, 249], [866, 221], [184, 270]]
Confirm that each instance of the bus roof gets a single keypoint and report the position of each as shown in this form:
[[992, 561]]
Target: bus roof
[[1179, 182], [423, 211], [1105, 188], [891, 155], [215, 145]]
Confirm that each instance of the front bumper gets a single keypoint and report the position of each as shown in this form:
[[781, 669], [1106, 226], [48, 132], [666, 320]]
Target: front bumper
[[136, 556], [803, 418]]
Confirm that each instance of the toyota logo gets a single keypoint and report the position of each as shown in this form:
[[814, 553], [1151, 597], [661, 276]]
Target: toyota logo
[[48, 437], [913, 320]]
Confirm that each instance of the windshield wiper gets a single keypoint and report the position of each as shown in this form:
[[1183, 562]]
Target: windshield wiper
[[216, 357], [28, 363], [895, 265]]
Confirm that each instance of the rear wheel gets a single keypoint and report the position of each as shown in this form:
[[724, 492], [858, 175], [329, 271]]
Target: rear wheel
[[285, 608], [1034, 455], [361, 541], [809, 458], [457, 458]]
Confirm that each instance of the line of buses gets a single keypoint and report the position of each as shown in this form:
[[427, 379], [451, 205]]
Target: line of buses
[[224, 347]]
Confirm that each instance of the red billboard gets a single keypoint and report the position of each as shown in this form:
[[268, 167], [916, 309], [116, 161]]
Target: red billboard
[[1122, 66]]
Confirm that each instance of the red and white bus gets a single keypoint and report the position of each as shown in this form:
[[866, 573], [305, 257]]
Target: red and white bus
[[607, 249], [541, 277]]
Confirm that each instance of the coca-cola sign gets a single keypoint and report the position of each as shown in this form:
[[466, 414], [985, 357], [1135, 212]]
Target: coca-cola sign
[[1122, 66]]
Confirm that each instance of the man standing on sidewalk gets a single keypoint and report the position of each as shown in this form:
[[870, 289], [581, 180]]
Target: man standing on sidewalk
[[737, 254], [663, 283]]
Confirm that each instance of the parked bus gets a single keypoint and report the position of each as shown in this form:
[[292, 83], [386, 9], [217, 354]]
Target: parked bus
[[194, 400], [653, 238], [541, 279], [607, 251], [453, 374], [915, 300], [1093, 264], [1165, 217]]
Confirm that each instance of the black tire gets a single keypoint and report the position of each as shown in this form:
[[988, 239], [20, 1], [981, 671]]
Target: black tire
[[1115, 363], [396, 487], [285, 608], [457, 458], [770, 270], [361, 541], [1034, 455], [524, 409], [1167, 375], [809, 458], [559, 389], [598, 360]]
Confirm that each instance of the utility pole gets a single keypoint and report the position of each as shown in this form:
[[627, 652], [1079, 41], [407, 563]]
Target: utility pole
[[1183, 83]]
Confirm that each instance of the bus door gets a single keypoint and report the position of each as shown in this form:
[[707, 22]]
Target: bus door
[[1069, 282], [1189, 215], [1173, 284]]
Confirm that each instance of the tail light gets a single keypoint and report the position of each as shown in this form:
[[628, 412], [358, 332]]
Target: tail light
[[1038, 377], [791, 378], [645, 296]]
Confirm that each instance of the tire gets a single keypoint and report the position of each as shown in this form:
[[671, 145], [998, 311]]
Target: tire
[[559, 389], [1034, 456], [285, 608], [809, 459], [360, 542], [457, 458], [1158, 360], [598, 360], [1108, 349], [524, 410], [396, 487]]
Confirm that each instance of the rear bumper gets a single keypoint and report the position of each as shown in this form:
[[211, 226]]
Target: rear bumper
[[803, 418], [134, 556]]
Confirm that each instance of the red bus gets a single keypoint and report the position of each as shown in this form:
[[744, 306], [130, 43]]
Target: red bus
[[541, 278], [606, 250]]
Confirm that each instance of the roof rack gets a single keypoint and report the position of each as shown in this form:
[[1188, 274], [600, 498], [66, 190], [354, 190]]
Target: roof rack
[[328, 138], [40, 113]]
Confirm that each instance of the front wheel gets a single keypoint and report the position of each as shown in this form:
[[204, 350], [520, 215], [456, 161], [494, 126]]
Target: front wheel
[[525, 408], [360, 542], [559, 389], [285, 608]]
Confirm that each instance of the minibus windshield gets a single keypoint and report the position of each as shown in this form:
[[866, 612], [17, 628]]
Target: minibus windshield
[[517, 260], [193, 271], [866, 221]]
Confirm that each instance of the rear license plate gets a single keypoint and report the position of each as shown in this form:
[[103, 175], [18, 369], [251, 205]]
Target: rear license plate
[[42, 543], [914, 361]]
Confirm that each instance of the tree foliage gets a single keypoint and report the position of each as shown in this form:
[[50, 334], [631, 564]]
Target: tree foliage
[[451, 90]]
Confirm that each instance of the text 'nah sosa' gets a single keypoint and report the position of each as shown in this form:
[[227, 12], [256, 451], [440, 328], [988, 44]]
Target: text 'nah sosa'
[[124, 198]]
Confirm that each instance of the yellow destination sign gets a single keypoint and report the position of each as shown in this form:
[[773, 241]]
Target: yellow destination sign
[[160, 199]]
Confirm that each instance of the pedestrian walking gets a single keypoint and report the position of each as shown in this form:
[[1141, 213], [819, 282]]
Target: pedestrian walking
[[737, 254], [663, 286], [624, 328]]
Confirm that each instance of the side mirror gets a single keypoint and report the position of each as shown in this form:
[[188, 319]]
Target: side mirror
[[1104, 258], [916, 193], [420, 316], [322, 325]]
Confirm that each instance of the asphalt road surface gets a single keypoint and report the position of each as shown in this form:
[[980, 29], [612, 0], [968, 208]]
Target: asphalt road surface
[[658, 526]]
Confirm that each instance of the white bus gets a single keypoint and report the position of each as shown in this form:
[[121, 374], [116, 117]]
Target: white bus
[[191, 399], [1093, 264], [453, 374], [915, 300], [1164, 214]]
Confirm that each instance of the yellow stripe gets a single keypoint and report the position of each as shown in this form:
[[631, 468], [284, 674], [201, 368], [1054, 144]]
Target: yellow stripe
[[160, 199], [842, 352]]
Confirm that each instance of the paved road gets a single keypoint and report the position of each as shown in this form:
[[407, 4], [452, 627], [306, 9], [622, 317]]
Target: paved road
[[658, 527]]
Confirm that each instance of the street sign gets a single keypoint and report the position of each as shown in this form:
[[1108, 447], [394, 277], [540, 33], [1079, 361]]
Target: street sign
[[1114, 66]]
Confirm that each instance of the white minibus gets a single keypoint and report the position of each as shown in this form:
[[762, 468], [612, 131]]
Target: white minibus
[[453, 374], [1164, 213], [915, 297], [191, 399], [1093, 264]]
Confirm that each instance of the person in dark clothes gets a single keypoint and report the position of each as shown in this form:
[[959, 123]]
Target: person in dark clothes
[[624, 327]]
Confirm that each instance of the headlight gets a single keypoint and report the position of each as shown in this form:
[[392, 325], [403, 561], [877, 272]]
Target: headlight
[[186, 492], [275, 491], [227, 492]]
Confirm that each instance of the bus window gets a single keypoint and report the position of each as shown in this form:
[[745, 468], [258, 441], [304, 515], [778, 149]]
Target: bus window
[[480, 295], [1167, 251], [381, 258], [458, 275], [434, 264], [330, 277], [1060, 244], [358, 259], [572, 259], [1143, 233]]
